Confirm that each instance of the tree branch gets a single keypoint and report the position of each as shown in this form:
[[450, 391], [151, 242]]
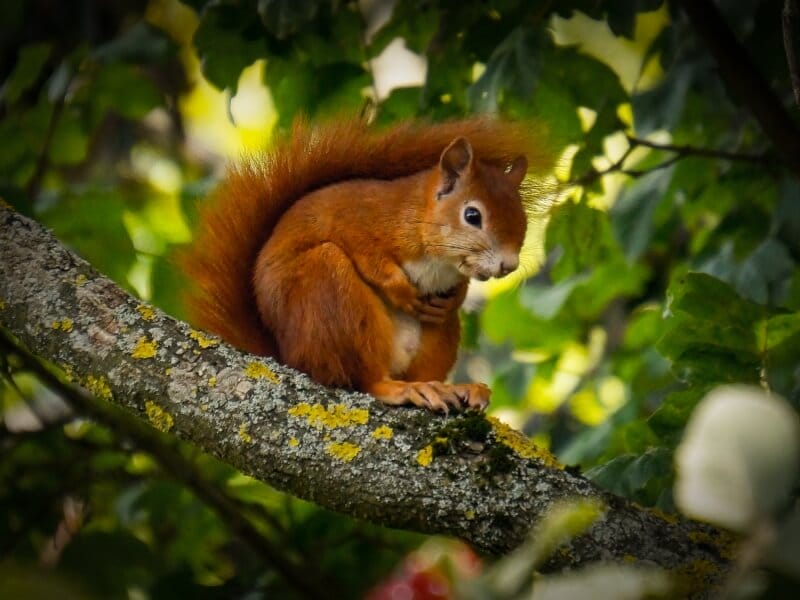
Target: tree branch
[[790, 29], [685, 151], [745, 80], [464, 476]]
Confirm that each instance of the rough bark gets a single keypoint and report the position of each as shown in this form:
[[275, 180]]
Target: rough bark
[[460, 475]]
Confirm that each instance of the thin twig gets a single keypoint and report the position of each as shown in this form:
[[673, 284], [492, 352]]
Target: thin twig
[[593, 175], [790, 12], [43, 160], [685, 151], [681, 152]]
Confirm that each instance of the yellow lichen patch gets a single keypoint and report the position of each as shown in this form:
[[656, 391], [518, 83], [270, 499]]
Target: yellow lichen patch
[[148, 312], [698, 573], [158, 417], [521, 444], [64, 324], [81, 280], [144, 348], [212, 381], [2, 304], [671, 519], [98, 387], [469, 515], [294, 442], [246, 437], [425, 456], [69, 372], [722, 541], [343, 450], [256, 370], [331, 417], [384, 432], [203, 340], [168, 371]]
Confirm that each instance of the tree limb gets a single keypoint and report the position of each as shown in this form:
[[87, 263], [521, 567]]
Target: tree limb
[[464, 476], [790, 21]]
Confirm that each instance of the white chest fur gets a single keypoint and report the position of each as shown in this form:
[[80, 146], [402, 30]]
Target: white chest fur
[[407, 333], [431, 276]]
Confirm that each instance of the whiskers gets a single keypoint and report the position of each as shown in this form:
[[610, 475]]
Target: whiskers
[[458, 247]]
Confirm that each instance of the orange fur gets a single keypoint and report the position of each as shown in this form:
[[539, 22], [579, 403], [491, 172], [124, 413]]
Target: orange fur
[[309, 252]]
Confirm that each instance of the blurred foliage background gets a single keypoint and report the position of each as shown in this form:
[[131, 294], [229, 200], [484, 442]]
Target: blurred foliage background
[[667, 264]]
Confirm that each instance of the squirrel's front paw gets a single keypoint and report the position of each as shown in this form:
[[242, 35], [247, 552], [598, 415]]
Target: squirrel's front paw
[[435, 309], [402, 294]]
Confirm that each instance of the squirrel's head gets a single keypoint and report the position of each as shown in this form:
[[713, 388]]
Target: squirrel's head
[[476, 220]]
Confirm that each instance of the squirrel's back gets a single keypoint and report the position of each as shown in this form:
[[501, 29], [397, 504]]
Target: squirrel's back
[[238, 218]]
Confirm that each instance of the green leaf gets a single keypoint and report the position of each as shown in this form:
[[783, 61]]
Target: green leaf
[[662, 106], [707, 298], [91, 223], [331, 40], [228, 40], [580, 237], [513, 64], [782, 327], [285, 17], [639, 478], [331, 89], [546, 300], [712, 334], [142, 44], [669, 419], [504, 319], [402, 103], [30, 62], [415, 22], [707, 318], [786, 218], [23, 137], [124, 90], [70, 143], [633, 211], [93, 556], [608, 280], [552, 104], [645, 326]]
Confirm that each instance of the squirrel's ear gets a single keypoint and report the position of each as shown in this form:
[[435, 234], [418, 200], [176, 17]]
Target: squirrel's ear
[[454, 162], [516, 170]]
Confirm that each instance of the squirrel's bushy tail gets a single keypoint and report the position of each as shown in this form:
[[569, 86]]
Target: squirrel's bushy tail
[[238, 218]]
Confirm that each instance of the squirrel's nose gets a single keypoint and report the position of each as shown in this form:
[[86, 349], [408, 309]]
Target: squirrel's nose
[[507, 266]]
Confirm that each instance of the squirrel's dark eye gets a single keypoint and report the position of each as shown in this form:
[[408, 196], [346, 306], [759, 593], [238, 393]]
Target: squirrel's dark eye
[[473, 216]]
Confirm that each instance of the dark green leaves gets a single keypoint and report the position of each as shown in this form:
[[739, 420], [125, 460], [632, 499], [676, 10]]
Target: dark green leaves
[[284, 17], [634, 210], [227, 41], [29, 65]]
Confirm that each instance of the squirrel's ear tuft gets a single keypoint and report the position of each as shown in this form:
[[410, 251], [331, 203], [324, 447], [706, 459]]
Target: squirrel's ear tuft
[[516, 170], [454, 162]]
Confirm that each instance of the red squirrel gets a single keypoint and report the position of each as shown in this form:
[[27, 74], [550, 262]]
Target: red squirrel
[[345, 252]]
